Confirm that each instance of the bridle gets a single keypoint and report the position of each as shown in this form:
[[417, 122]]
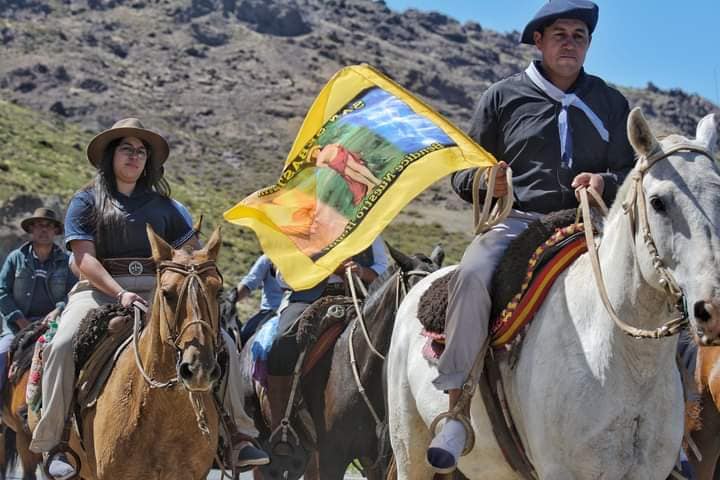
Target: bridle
[[635, 207], [192, 286]]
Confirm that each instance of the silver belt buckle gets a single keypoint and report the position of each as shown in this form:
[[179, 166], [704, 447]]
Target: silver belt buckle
[[135, 268]]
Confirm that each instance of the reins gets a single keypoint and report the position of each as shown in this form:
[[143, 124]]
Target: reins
[[635, 207], [401, 288], [192, 287]]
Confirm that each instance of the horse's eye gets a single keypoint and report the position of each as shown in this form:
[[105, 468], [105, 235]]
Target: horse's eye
[[168, 294], [657, 204]]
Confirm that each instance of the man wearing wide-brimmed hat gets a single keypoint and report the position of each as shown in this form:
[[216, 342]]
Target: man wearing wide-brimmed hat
[[105, 228], [559, 128], [34, 280]]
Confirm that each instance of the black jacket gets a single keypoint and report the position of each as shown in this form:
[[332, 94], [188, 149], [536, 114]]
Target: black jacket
[[517, 122]]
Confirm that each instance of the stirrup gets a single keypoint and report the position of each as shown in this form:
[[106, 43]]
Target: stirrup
[[464, 421], [282, 445], [63, 448]]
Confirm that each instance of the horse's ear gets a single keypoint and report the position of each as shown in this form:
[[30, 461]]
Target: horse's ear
[[404, 262], [706, 132], [213, 246], [198, 225], [639, 134], [438, 255], [161, 250]]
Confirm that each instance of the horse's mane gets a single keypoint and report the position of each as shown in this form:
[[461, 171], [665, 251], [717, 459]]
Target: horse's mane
[[620, 196], [378, 288]]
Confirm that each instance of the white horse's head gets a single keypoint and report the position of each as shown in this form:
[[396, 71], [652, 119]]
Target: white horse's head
[[681, 186]]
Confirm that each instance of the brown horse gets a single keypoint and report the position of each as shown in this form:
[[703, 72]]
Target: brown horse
[[707, 436], [16, 434], [349, 426], [156, 417]]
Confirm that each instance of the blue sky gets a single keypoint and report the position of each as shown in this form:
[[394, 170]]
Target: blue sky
[[672, 44]]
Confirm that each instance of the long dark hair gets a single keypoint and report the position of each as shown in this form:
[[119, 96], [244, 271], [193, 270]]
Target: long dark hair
[[107, 217]]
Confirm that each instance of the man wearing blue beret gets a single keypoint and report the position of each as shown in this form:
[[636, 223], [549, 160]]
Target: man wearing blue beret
[[559, 128]]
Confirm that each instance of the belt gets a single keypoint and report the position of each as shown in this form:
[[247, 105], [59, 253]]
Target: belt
[[129, 266]]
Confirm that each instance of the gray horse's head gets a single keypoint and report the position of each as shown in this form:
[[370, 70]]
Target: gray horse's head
[[682, 200]]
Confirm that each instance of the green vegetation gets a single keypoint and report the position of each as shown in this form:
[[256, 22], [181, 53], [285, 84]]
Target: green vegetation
[[45, 157]]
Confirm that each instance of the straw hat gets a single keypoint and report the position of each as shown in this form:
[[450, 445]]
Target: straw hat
[[42, 214], [129, 127]]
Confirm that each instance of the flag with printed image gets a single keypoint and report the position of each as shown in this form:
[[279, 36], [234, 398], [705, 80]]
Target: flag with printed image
[[366, 148]]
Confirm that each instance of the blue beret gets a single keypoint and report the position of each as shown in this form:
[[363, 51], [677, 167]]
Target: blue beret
[[584, 10]]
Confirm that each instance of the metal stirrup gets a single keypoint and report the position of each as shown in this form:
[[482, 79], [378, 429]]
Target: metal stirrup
[[463, 403]]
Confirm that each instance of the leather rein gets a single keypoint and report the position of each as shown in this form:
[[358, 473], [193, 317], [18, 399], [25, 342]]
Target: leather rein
[[635, 207]]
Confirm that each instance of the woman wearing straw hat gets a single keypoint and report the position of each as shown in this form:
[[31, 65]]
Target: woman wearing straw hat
[[105, 228], [34, 279]]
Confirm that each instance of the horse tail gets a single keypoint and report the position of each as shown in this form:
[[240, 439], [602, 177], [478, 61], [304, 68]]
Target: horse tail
[[10, 449]]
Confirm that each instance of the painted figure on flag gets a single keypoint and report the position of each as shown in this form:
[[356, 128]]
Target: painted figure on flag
[[350, 166]]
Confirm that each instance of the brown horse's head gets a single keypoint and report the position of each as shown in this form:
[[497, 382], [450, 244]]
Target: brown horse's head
[[186, 301]]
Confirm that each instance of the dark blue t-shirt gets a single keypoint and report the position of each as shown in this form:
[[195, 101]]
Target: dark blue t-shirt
[[143, 206]]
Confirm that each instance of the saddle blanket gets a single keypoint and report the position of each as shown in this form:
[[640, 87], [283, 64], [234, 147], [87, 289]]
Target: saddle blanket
[[522, 308]]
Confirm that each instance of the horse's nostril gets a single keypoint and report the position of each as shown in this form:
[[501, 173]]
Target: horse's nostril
[[701, 312], [185, 371]]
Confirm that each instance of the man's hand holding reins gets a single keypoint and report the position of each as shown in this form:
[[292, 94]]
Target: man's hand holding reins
[[588, 180], [501, 184]]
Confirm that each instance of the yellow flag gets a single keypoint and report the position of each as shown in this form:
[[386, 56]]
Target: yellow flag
[[366, 148]]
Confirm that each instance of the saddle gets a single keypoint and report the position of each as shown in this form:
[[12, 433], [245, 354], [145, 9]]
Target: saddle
[[316, 330], [102, 336], [22, 349], [519, 283]]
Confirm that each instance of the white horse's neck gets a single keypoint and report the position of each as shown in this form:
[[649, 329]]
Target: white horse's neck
[[635, 301]]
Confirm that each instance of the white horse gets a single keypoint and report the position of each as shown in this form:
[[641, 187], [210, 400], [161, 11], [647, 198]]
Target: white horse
[[588, 401]]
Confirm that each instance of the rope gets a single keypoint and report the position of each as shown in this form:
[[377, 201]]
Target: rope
[[138, 308], [380, 425], [485, 218], [669, 328], [358, 382], [358, 311], [198, 406]]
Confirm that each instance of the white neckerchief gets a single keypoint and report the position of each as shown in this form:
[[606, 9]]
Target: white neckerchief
[[566, 100]]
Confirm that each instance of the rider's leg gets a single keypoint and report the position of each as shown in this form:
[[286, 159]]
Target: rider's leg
[[245, 453], [466, 327], [59, 367], [282, 358], [58, 377], [253, 324]]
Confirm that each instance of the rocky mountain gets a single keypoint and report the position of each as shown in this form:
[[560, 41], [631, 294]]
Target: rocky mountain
[[229, 81]]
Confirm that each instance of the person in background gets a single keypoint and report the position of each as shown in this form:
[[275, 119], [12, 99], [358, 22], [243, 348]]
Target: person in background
[[34, 280], [261, 275]]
